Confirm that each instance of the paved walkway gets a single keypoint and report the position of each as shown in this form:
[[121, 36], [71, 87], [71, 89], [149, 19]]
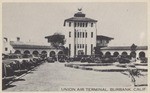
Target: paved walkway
[[53, 76]]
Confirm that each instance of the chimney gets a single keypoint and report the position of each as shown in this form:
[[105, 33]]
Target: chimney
[[18, 38]]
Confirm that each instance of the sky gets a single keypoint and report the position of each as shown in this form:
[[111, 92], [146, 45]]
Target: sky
[[126, 22]]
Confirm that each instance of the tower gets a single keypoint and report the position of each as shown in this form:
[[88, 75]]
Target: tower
[[80, 33]]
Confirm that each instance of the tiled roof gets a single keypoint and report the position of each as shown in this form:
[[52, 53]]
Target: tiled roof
[[83, 19], [124, 48], [100, 37], [28, 46], [53, 35]]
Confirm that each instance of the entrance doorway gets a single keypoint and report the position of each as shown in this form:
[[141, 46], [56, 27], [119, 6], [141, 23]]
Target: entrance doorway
[[80, 52]]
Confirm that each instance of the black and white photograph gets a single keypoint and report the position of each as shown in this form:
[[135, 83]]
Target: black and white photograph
[[74, 46]]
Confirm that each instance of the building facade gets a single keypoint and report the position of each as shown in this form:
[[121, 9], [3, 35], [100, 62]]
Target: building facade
[[141, 51], [80, 34], [19, 47]]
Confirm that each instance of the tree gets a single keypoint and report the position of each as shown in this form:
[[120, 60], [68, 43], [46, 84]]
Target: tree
[[67, 51], [56, 40], [133, 49]]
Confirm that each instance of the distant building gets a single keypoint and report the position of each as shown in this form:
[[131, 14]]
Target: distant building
[[7, 48]]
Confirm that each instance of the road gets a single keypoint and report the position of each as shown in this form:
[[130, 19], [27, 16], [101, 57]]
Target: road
[[54, 76]]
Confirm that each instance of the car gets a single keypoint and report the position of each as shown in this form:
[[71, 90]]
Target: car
[[7, 72], [97, 60], [123, 60], [50, 60], [69, 59], [23, 63], [61, 58], [107, 60], [83, 59], [37, 60], [143, 60], [90, 59]]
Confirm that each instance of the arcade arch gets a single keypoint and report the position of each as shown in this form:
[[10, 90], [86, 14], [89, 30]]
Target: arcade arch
[[115, 54], [17, 52], [141, 54], [52, 54], [107, 54], [35, 53], [26, 52]]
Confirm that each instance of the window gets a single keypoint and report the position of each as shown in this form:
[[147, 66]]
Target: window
[[83, 34], [78, 46], [69, 49], [69, 34], [91, 34], [78, 34], [75, 24], [6, 49], [85, 49], [75, 34], [86, 24], [83, 24], [83, 46], [69, 24], [80, 24], [91, 24], [69, 46], [91, 48], [64, 23], [86, 34]]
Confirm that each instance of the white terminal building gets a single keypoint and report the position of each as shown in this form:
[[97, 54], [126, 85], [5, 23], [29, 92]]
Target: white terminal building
[[81, 34]]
